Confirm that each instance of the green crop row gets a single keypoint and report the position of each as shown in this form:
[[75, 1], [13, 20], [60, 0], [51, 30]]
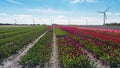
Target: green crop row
[[39, 54], [10, 29], [60, 32], [13, 44]]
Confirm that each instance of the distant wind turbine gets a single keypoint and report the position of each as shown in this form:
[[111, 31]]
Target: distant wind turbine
[[15, 21], [68, 21], [104, 13], [51, 21], [33, 21], [86, 21]]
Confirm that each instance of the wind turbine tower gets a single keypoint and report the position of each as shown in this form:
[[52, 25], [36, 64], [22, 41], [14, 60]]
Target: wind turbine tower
[[51, 21], [15, 22], [104, 15], [33, 21], [68, 21], [86, 21]]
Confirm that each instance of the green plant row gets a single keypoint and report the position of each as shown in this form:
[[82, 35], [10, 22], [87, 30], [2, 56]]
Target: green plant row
[[60, 32], [40, 53], [12, 45], [10, 29], [14, 33]]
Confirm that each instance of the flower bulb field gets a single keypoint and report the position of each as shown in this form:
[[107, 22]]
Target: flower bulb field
[[59, 47]]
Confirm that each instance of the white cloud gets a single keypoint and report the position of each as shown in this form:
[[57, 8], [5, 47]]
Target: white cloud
[[42, 11], [113, 14], [23, 15], [109, 13], [58, 19], [59, 16], [16, 2], [3, 14], [111, 20], [81, 1], [77, 1], [50, 12], [117, 14], [90, 0], [4, 20]]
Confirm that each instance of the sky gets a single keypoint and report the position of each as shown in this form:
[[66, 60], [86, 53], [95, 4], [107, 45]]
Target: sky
[[77, 12]]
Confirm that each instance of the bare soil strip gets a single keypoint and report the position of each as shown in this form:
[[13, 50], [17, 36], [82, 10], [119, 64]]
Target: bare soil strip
[[12, 61], [97, 63], [54, 59]]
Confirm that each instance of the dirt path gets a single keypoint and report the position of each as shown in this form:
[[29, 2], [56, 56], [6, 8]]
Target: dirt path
[[54, 60], [12, 61], [97, 63]]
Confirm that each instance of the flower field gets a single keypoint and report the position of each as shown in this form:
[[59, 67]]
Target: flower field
[[104, 45], [70, 52], [60, 47]]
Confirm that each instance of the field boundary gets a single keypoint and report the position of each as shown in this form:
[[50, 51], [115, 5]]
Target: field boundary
[[54, 59]]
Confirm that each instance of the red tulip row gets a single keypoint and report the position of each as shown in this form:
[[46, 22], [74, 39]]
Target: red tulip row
[[102, 29], [70, 52], [104, 46]]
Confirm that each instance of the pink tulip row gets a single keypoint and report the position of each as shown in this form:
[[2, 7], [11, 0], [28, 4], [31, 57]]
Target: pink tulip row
[[105, 47], [71, 54], [102, 29]]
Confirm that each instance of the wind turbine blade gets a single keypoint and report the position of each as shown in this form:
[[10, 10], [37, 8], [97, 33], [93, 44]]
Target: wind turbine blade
[[107, 9], [100, 12]]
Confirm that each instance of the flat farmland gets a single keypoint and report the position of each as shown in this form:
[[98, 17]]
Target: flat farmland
[[59, 47]]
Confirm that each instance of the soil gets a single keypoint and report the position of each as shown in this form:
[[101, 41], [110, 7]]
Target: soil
[[54, 60], [97, 63]]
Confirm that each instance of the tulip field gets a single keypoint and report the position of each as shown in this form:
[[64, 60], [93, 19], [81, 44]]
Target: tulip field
[[103, 44], [70, 53], [76, 47]]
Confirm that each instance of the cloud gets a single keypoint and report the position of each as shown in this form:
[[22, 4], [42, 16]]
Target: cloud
[[117, 14], [109, 13], [59, 16], [81, 1], [3, 14], [90, 0], [16, 2], [43, 11], [23, 15], [77, 1], [113, 14], [49, 12], [60, 19]]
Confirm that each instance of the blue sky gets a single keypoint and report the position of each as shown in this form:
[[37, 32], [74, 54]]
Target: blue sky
[[60, 10]]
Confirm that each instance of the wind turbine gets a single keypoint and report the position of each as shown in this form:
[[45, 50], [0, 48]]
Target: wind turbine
[[33, 21], [104, 14], [68, 21], [86, 21], [51, 21], [15, 21]]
